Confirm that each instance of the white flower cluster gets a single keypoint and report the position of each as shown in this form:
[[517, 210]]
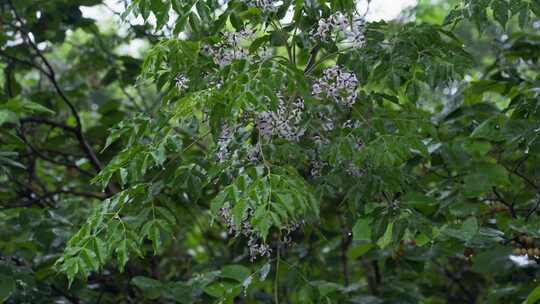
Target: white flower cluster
[[181, 82], [327, 122], [256, 247], [264, 5], [353, 170], [253, 154], [224, 139], [285, 122], [317, 168], [337, 84], [234, 39], [352, 29], [230, 49], [351, 124]]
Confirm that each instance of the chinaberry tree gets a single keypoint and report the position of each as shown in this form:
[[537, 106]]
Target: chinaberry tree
[[293, 152]]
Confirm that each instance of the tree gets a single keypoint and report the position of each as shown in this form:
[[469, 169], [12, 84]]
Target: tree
[[275, 152]]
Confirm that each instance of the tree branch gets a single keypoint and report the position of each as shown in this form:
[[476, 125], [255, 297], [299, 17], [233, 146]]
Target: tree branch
[[345, 242], [91, 156], [51, 160], [501, 199]]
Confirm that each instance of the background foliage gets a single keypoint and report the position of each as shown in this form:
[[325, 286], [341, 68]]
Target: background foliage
[[270, 152]]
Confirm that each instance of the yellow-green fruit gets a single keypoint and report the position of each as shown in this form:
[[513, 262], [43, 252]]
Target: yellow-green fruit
[[536, 252], [517, 251], [523, 251], [530, 252]]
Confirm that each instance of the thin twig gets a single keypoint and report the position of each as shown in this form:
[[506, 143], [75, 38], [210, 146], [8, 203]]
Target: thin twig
[[504, 202]]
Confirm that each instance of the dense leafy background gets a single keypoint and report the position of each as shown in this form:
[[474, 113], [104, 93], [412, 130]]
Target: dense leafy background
[[207, 170]]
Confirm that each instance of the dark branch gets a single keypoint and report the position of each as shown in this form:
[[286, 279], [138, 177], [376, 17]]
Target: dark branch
[[501, 199], [52, 78]]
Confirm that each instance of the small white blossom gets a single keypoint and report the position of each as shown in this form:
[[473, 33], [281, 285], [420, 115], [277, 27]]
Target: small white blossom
[[230, 49], [257, 248], [265, 124], [320, 141], [337, 24], [326, 122], [234, 39], [224, 139], [271, 6], [337, 84], [353, 170], [253, 154], [316, 168], [181, 82], [351, 124], [265, 53], [285, 122]]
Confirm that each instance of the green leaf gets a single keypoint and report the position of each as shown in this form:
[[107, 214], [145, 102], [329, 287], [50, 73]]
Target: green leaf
[[7, 282], [362, 230], [236, 272], [20, 105], [99, 248], [500, 11], [166, 214], [535, 7], [493, 258], [180, 292], [71, 268], [355, 252], [155, 237], [265, 270], [122, 254], [257, 43], [485, 177], [10, 162], [325, 288], [477, 148], [151, 288], [7, 116], [490, 129], [90, 259], [469, 228], [386, 239], [239, 212], [534, 296], [278, 38], [524, 16]]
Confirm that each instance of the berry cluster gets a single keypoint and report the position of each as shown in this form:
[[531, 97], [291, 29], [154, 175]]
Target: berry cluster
[[525, 245], [285, 122], [338, 85], [352, 29]]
